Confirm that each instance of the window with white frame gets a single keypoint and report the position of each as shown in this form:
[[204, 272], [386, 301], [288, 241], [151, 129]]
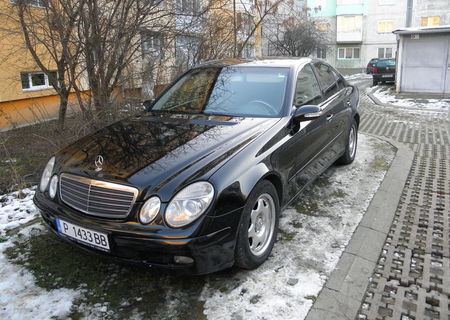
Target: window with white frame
[[349, 53], [385, 26], [36, 80], [33, 3], [385, 53]]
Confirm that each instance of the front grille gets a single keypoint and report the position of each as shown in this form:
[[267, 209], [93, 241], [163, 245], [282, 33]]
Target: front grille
[[97, 198]]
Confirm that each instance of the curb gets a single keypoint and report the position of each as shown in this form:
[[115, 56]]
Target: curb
[[388, 105], [343, 293]]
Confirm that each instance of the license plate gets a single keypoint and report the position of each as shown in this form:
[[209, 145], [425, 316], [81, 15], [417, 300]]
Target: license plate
[[387, 75], [87, 236]]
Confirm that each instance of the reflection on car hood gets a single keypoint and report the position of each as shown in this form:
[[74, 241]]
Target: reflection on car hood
[[155, 149]]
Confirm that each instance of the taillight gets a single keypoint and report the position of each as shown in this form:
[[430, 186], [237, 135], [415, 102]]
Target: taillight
[[375, 70]]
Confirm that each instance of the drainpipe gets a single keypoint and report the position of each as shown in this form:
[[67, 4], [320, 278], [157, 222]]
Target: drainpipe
[[409, 11]]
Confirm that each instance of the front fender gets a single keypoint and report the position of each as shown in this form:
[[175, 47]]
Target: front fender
[[233, 193]]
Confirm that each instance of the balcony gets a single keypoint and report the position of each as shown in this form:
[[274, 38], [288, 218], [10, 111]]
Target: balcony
[[349, 29]]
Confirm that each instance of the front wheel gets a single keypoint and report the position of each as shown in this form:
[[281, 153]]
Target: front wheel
[[258, 226], [352, 143]]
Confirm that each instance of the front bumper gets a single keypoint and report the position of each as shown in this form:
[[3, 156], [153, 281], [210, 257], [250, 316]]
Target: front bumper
[[211, 252]]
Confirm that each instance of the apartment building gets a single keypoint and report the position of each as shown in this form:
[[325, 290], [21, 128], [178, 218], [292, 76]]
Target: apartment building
[[362, 29]]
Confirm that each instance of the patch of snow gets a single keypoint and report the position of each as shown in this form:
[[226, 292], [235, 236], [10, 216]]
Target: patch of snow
[[20, 298], [314, 243], [17, 208], [358, 76], [385, 96]]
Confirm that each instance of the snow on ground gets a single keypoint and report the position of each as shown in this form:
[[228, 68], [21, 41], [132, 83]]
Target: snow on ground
[[385, 96], [20, 298], [16, 209], [313, 234], [358, 76]]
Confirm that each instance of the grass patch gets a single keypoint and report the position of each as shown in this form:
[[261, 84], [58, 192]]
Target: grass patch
[[286, 236], [124, 289], [313, 298]]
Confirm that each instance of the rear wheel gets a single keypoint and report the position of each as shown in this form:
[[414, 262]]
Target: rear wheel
[[258, 226], [352, 144], [375, 82]]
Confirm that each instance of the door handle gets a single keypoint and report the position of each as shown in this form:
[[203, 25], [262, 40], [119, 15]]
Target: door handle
[[349, 103], [329, 117]]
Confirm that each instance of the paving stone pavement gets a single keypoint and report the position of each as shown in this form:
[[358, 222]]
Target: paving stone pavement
[[412, 276]]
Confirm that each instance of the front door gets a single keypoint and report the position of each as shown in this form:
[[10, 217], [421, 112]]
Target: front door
[[300, 153]]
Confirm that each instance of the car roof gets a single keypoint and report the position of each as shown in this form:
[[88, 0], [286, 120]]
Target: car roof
[[286, 62]]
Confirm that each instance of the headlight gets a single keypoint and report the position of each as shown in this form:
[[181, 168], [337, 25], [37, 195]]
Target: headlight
[[189, 204], [53, 186], [149, 210], [46, 175]]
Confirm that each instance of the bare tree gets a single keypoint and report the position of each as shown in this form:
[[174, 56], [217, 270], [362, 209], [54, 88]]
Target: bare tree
[[297, 34], [48, 34], [109, 34], [257, 11]]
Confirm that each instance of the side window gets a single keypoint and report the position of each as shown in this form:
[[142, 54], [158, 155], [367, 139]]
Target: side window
[[307, 90], [327, 79], [340, 81]]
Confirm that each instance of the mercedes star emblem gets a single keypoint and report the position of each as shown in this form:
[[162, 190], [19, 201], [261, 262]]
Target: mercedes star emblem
[[99, 163]]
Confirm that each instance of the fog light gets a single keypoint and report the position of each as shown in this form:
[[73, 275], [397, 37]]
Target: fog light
[[53, 187], [183, 260]]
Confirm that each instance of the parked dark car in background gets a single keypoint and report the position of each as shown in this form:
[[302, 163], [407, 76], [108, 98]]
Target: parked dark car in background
[[197, 182], [371, 64], [383, 71]]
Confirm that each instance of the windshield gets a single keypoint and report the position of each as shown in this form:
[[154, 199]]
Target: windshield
[[233, 91], [386, 63]]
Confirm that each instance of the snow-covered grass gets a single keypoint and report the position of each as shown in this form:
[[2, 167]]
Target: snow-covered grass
[[313, 233], [20, 297], [385, 95]]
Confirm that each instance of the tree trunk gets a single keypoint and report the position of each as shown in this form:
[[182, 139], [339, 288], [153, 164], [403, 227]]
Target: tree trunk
[[63, 102]]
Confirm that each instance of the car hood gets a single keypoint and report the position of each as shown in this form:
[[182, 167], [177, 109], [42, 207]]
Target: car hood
[[156, 151]]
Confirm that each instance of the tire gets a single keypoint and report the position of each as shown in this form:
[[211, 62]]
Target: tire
[[352, 144], [375, 82], [248, 253]]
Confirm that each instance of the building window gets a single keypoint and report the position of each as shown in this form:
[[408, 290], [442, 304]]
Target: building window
[[385, 26], [32, 3], [384, 53], [151, 42], [430, 21], [349, 23], [32, 81], [385, 2], [321, 53], [188, 6], [349, 53]]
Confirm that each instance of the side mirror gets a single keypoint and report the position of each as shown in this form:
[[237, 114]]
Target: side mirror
[[306, 113], [148, 104]]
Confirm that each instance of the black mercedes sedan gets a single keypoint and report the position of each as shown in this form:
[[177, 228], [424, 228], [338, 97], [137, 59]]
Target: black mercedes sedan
[[197, 182]]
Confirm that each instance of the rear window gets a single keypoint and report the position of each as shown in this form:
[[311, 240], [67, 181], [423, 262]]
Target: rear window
[[386, 63]]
